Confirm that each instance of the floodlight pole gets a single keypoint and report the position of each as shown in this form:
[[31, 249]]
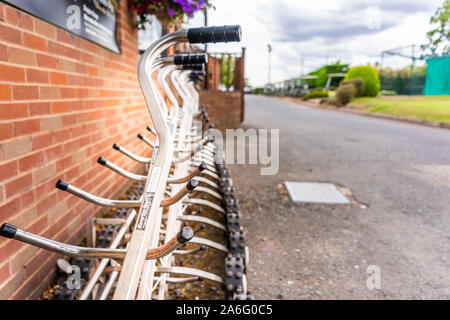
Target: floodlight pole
[[302, 65]]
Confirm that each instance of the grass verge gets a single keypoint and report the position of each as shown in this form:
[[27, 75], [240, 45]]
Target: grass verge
[[428, 108]]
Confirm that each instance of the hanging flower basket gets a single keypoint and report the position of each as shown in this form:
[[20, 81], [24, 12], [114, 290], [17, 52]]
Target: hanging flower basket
[[167, 11]]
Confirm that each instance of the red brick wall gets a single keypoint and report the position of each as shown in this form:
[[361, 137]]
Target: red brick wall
[[226, 109], [63, 102]]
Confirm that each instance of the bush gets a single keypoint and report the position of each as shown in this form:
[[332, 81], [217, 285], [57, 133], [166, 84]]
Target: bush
[[370, 76], [359, 85], [258, 90], [345, 93], [315, 94]]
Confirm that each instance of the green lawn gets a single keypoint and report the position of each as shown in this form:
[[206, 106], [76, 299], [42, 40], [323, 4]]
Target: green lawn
[[429, 108]]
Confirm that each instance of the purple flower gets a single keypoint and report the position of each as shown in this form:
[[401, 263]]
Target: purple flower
[[171, 13]]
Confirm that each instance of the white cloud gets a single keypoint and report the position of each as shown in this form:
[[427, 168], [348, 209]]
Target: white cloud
[[318, 32]]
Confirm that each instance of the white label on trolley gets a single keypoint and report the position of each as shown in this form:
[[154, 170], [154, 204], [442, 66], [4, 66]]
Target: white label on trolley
[[154, 178], [148, 199], [146, 205], [155, 152]]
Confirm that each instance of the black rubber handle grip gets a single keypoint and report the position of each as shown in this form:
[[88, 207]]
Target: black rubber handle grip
[[62, 185], [215, 34], [8, 231], [181, 59], [193, 67], [197, 73], [102, 161]]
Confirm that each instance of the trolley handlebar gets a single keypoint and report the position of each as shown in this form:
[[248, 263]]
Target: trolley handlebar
[[215, 34]]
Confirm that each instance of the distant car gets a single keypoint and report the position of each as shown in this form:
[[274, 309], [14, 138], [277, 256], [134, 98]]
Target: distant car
[[248, 90]]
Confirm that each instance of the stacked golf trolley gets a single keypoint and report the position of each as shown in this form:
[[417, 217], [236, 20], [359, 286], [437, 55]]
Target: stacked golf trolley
[[134, 254]]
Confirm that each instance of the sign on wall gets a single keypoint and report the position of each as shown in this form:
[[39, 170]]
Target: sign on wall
[[94, 20]]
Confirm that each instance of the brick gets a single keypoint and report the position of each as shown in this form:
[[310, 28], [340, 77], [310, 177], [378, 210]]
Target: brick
[[53, 153], [47, 274], [60, 106], [25, 219], [39, 108], [4, 272], [32, 161], [63, 164], [34, 75], [14, 187], [8, 210], [8, 170], [46, 61], [10, 73], [48, 93], [10, 34], [8, 288], [58, 78], [3, 53], [42, 141], [2, 193], [12, 15], [6, 131], [64, 36], [51, 123], [45, 188], [5, 92], [26, 199], [66, 65], [46, 204], [93, 71], [34, 42], [27, 127], [34, 263], [74, 80], [68, 93], [61, 135], [69, 120], [16, 148], [26, 21], [27, 286], [58, 49], [13, 111], [81, 68], [25, 92], [44, 173], [19, 260], [45, 29], [20, 56]]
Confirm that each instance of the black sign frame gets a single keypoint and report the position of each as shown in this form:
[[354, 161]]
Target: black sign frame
[[93, 20]]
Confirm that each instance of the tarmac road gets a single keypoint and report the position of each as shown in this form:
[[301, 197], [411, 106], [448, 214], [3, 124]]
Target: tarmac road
[[318, 251]]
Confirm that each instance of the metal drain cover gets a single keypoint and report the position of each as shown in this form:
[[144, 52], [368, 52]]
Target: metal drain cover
[[315, 192]]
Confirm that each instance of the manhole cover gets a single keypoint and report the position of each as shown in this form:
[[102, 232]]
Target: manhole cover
[[315, 192]]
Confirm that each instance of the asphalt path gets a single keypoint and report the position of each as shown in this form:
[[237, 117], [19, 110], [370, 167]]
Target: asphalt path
[[401, 171]]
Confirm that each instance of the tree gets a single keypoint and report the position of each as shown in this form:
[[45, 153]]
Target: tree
[[228, 63], [439, 36]]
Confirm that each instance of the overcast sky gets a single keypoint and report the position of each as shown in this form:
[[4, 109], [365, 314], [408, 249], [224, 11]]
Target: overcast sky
[[319, 31]]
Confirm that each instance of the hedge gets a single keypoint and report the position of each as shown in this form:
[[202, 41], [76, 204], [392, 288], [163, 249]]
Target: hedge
[[370, 77]]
